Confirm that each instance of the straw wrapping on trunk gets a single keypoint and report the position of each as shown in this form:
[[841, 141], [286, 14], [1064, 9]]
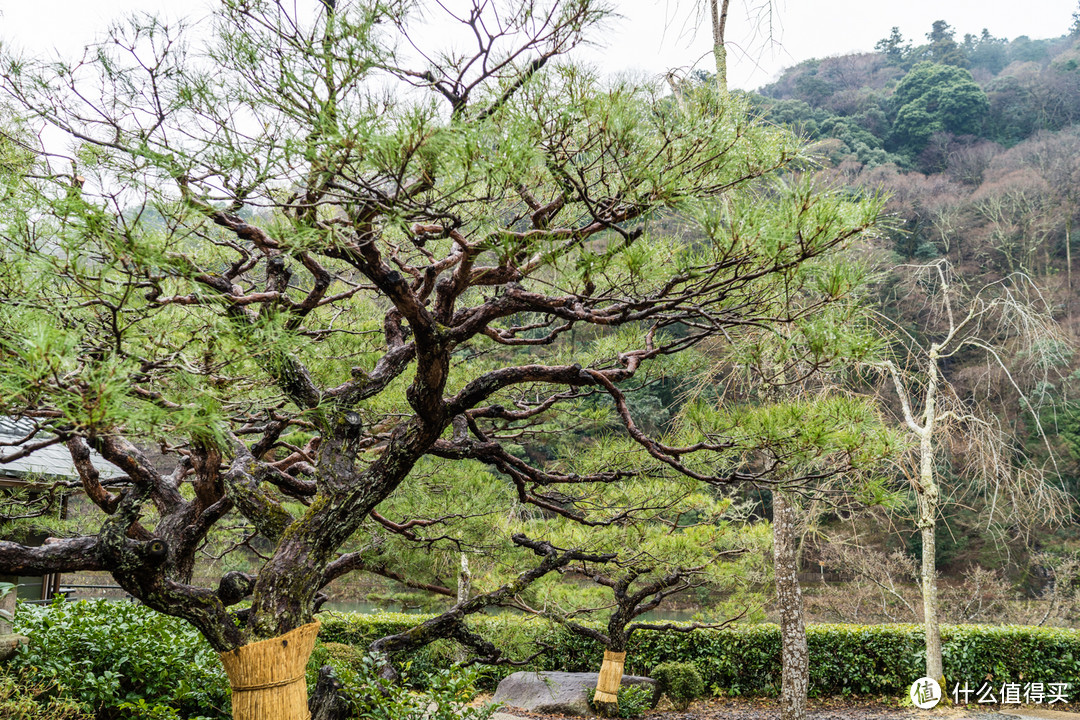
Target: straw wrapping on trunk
[[279, 683], [267, 677], [611, 672]]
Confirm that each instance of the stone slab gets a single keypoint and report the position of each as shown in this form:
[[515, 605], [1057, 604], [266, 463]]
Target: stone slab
[[556, 693], [9, 644]]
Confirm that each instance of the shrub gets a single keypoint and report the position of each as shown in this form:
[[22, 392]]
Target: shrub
[[359, 630], [745, 660], [374, 698], [122, 660], [118, 660], [634, 700], [27, 697], [680, 681]]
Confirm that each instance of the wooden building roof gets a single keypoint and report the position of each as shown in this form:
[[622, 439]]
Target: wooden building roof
[[53, 461]]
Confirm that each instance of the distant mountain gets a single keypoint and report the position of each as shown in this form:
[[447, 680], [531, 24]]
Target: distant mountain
[[903, 100]]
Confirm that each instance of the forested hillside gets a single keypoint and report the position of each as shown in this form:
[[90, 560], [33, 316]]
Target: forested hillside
[[976, 144], [915, 105]]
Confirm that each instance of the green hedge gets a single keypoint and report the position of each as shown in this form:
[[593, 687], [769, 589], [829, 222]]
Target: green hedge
[[745, 660], [121, 660]]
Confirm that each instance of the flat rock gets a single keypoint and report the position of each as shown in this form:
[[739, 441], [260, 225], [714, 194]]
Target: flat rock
[[9, 644], [556, 693]]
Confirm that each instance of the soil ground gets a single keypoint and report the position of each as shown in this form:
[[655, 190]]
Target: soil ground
[[830, 709]]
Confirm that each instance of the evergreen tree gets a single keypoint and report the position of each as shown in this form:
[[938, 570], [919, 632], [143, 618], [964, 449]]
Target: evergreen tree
[[935, 98], [894, 48], [943, 47], [393, 309]]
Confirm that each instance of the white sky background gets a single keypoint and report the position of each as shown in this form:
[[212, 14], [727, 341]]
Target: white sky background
[[650, 37]]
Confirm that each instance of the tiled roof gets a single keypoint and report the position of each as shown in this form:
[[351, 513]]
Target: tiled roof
[[54, 460]]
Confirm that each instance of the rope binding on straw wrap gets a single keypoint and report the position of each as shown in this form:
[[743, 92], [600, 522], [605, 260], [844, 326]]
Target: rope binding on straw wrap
[[267, 676]]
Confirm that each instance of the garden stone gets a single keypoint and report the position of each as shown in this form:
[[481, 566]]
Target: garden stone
[[7, 609], [9, 644], [562, 693]]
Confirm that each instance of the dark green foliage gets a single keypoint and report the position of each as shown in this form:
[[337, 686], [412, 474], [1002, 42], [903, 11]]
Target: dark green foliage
[[943, 48], [987, 52], [1069, 429], [949, 544], [895, 49], [855, 133], [634, 700], [680, 681], [844, 659], [373, 698], [1024, 49], [1026, 86], [1013, 112], [121, 660], [935, 98]]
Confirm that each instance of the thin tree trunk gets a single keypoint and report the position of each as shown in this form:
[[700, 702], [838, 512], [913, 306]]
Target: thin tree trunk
[[928, 501], [794, 656], [676, 92], [719, 23], [464, 589], [464, 583], [1068, 265], [927, 492], [930, 606]]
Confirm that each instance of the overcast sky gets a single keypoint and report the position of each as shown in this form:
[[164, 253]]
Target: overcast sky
[[651, 36]]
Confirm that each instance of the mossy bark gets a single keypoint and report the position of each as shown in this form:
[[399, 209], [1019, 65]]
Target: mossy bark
[[795, 676], [934, 665]]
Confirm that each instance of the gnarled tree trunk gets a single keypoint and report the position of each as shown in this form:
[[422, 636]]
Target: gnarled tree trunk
[[327, 701]]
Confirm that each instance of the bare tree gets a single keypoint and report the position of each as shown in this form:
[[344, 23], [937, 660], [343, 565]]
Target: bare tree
[[1006, 321], [884, 588]]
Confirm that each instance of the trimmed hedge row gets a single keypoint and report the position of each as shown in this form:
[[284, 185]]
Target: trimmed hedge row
[[745, 660]]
